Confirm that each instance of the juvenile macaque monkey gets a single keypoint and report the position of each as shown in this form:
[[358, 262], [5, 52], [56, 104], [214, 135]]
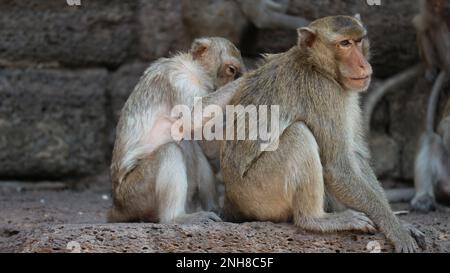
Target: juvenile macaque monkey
[[321, 146], [432, 169], [154, 178], [432, 166]]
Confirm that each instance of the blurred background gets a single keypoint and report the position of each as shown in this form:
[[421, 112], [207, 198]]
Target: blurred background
[[66, 71]]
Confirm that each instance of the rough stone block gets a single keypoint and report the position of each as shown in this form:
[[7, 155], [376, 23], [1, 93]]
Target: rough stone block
[[52, 123], [98, 32], [161, 29]]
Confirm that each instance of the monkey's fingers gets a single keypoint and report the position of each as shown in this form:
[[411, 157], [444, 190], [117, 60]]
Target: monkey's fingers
[[214, 217], [367, 224], [416, 234], [198, 217], [406, 245], [207, 216], [409, 240], [370, 229], [406, 249], [420, 238]]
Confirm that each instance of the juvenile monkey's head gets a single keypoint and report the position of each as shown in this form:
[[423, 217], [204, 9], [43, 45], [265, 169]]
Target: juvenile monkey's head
[[339, 46], [220, 59]]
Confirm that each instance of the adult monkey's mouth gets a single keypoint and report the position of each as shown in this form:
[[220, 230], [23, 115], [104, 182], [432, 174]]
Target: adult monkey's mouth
[[360, 79]]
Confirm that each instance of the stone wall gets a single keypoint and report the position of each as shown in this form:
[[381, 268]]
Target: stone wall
[[65, 73]]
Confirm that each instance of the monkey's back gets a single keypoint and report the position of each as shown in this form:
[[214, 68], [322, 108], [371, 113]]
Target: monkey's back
[[301, 91], [163, 85]]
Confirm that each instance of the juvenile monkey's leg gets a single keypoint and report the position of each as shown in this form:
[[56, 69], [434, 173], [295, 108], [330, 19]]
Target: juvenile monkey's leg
[[207, 183], [171, 184], [174, 185], [156, 190], [288, 184]]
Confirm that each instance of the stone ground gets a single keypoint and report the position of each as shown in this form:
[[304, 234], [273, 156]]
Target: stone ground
[[61, 217]]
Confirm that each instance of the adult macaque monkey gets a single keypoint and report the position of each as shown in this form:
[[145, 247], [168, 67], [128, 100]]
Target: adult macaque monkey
[[155, 178], [321, 144]]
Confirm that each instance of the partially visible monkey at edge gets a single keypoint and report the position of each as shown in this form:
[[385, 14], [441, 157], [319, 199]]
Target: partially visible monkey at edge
[[432, 165], [322, 154], [231, 18], [156, 179]]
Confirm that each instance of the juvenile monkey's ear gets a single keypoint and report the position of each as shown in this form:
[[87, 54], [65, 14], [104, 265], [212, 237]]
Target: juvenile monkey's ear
[[306, 37], [358, 16], [200, 47]]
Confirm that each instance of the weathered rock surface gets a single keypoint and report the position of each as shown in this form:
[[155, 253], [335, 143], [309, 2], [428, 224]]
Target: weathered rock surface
[[222, 18], [256, 237], [161, 28], [98, 32], [385, 155], [52, 122], [201, 238], [42, 220]]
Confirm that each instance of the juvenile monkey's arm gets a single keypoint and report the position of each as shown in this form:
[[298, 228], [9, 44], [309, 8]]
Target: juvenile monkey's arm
[[222, 97]]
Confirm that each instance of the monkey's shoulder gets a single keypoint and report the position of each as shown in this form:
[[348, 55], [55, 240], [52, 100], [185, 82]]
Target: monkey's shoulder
[[168, 81], [274, 83]]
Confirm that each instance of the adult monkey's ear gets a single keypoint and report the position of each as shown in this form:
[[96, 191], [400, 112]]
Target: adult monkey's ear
[[306, 37], [200, 47]]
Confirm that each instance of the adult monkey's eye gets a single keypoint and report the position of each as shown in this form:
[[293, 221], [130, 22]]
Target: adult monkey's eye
[[345, 43], [231, 70]]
